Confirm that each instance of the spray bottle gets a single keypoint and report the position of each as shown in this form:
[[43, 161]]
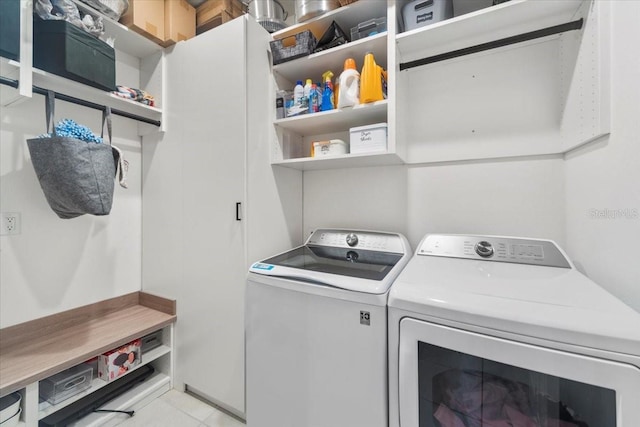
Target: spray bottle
[[327, 94]]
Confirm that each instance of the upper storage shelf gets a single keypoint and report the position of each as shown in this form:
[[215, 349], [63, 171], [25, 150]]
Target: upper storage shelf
[[346, 16], [504, 20], [333, 59], [125, 40]]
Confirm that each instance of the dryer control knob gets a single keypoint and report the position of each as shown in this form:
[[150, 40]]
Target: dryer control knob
[[484, 249], [352, 239]]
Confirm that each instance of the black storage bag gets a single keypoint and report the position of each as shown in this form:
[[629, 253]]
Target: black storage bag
[[77, 177]]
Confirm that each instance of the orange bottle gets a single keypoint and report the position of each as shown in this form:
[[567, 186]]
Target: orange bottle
[[371, 80]]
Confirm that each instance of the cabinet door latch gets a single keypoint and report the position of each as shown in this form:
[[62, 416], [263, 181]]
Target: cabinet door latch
[[238, 211]]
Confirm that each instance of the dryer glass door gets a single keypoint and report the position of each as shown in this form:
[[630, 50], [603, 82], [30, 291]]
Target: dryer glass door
[[454, 378]]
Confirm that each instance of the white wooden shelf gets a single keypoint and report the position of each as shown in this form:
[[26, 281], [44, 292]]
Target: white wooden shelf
[[346, 16], [341, 161], [46, 409], [126, 40], [56, 83], [315, 64], [335, 120], [504, 20]]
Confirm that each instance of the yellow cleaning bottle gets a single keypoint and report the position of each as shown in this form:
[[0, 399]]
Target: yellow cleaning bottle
[[372, 80]]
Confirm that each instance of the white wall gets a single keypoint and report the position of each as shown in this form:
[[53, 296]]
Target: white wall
[[57, 264], [603, 180], [545, 197], [510, 197]]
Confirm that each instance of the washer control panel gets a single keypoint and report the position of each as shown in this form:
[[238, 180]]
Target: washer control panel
[[367, 240], [490, 248]]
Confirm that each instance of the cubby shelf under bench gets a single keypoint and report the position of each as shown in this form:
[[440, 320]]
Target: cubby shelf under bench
[[37, 349]]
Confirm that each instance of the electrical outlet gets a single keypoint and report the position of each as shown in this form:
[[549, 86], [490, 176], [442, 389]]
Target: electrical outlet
[[10, 223]]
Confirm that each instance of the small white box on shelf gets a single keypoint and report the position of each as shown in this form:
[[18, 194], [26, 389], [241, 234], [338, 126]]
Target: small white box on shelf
[[368, 139], [332, 147]]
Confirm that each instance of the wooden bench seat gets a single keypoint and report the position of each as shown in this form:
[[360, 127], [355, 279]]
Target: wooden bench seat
[[34, 350]]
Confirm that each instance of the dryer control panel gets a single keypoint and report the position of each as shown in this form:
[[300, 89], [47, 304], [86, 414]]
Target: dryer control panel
[[369, 240], [494, 248]]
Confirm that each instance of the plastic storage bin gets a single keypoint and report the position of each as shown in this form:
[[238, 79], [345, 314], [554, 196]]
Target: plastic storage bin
[[368, 139], [9, 406], [368, 28], [419, 13], [305, 42], [66, 384], [462, 7], [151, 341]]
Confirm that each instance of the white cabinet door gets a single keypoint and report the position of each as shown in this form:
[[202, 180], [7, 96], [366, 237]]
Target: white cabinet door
[[213, 155], [206, 101]]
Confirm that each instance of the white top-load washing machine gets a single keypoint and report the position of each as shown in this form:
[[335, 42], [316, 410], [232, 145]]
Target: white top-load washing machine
[[316, 331], [495, 331]]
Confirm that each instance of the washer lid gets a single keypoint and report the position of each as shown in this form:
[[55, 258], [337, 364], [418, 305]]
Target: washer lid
[[360, 261], [556, 304]]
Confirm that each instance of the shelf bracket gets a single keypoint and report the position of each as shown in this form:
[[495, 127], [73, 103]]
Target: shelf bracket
[[15, 84], [544, 32]]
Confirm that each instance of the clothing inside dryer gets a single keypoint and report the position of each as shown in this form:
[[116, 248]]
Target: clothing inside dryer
[[461, 390]]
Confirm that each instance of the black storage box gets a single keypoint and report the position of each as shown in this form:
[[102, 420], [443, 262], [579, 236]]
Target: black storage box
[[10, 29], [63, 49]]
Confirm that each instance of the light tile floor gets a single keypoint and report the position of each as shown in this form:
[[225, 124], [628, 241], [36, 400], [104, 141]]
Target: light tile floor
[[176, 408]]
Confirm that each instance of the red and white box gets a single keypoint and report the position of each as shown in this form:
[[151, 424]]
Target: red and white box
[[117, 362]]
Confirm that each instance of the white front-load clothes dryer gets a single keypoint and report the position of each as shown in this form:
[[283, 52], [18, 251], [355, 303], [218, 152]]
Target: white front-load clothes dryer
[[316, 331], [497, 331]]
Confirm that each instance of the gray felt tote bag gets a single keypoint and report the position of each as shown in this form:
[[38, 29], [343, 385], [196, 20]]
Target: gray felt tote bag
[[77, 177]]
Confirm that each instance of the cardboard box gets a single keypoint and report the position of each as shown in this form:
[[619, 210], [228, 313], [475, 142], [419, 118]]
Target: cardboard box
[[146, 17], [115, 363], [212, 9], [179, 21]]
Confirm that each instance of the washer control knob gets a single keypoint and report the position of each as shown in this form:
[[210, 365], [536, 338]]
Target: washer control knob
[[484, 249], [352, 239]]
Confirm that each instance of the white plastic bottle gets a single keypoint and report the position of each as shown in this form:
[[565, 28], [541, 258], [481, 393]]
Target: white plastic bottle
[[349, 93], [306, 92], [298, 95]]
